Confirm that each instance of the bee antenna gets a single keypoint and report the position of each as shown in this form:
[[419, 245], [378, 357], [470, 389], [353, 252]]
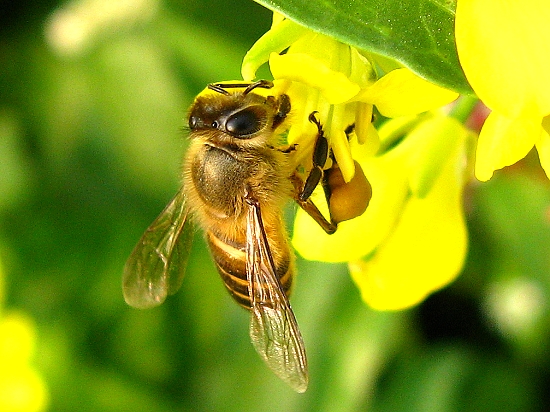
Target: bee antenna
[[264, 84], [220, 88]]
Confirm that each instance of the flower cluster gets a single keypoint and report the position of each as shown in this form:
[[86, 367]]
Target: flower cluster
[[504, 50], [412, 238]]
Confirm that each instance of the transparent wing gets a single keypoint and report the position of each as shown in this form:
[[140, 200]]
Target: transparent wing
[[273, 328], [157, 264]]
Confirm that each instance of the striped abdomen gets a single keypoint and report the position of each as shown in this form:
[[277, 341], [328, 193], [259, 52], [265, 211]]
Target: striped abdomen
[[230, 258]]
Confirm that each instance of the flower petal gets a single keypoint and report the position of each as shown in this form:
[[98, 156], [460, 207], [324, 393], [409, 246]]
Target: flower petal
[[504, 49], [360, 236], [503, 141], [425, 252], [282, 34], [401, 93], [342, 116], [364, 129], [303, 68], [435, 140]]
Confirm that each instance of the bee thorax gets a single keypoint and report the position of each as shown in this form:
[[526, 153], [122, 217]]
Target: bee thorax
[[220, 180]]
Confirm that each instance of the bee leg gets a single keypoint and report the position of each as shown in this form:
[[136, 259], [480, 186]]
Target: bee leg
[[320, 155], [303, 191], [310, 207], [263, 84], [349, 130], [285, 149], [283, 110]]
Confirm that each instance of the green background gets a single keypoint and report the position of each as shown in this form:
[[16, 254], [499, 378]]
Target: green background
[[90, 148]]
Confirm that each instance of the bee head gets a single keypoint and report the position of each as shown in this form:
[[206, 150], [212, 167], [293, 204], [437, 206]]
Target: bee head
[[239, 116]]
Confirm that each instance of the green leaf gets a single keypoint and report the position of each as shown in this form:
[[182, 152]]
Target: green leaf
[[417, 33]]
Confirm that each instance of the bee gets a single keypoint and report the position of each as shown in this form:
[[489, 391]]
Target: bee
[[236, 179]]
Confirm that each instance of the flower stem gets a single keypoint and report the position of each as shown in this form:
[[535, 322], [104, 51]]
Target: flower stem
[[464, 107]]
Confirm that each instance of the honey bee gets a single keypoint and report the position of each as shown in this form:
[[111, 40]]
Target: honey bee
[[236, 179]]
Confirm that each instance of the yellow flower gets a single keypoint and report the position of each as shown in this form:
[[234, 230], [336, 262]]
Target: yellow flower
[[21, 387], [340, 83], [412, 238], [504, 49]]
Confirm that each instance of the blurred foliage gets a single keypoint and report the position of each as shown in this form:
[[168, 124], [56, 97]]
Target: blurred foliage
[[90, 146]]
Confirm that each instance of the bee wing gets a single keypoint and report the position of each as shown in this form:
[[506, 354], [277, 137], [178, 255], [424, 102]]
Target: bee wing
[[156, 266], [273, 328]]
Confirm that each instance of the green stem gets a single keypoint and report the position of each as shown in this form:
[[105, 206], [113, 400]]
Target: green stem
[[464, 108]]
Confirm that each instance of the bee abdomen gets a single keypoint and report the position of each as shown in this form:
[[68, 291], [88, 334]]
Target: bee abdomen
[[230, 260]]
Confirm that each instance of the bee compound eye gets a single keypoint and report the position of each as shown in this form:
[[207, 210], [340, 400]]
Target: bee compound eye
[[245, 122]]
